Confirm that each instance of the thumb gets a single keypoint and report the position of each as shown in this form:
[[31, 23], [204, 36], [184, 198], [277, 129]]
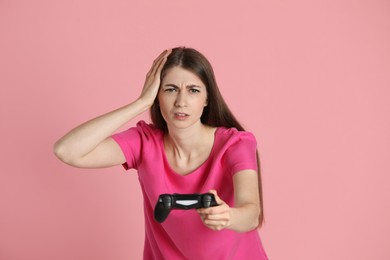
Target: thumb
[[217, 198]]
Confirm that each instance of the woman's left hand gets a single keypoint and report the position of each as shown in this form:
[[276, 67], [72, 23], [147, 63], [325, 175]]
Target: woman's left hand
[[218, 217]]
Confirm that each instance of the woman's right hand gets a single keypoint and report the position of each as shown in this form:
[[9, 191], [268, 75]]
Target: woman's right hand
[[89, 145], [153, 78]]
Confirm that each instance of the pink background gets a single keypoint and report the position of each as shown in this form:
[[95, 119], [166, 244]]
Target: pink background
[[311, 79]]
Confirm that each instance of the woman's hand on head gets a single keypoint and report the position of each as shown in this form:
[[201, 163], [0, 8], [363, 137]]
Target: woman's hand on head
[[152, 81], [218, 217]]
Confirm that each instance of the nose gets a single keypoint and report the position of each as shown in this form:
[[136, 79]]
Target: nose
[[180, 99]]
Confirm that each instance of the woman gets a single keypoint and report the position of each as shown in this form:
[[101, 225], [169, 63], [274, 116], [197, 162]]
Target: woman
[[195, 145]]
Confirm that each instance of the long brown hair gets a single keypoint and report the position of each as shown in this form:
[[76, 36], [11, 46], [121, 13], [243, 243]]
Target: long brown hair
[[216, 113]]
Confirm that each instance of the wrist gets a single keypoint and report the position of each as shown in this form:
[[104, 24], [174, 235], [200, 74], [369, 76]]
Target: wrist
[[142, 104], [243, 219]]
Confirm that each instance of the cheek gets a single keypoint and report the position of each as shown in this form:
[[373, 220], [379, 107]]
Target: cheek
[[164, 104], [204, 101], [200, 105], [160, 99]]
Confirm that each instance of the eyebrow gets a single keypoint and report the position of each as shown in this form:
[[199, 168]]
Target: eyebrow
[[189, 86]]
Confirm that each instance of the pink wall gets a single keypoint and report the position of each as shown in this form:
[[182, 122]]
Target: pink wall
[[310, 78]]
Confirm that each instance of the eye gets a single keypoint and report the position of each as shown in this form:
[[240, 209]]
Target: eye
[[170, 90], [194, 90]]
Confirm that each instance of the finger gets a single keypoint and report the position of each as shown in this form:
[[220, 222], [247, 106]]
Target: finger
[[155, 62], [163, 61], [217, 198], [160, 56], [215, 225], [159, 63], [215, 222], [220, 209], [217, 217]]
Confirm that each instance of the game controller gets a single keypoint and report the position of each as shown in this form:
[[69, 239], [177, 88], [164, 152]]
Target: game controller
[[167, 202]]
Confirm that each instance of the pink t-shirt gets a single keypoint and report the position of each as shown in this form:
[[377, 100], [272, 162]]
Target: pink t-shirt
[[182, 235]]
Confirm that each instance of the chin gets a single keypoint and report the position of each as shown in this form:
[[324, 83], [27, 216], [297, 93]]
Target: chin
[[185, 124]]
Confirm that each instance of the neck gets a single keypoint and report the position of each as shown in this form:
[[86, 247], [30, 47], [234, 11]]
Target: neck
[[185, 142]]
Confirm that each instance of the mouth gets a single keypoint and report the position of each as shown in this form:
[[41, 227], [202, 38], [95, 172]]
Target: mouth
[[180, 116]]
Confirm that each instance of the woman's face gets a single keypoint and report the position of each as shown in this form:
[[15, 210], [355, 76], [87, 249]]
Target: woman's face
[[182, 98]]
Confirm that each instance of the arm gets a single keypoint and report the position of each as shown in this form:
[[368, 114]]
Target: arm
[[244, 216], [90, 145]]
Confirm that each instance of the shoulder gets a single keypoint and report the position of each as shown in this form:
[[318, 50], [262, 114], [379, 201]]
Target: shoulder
[[230, 139], [232, 135], [137, 141], [147, 128], [141, 131], [238, 149]]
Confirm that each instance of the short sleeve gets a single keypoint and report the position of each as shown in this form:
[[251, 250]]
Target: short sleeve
[[132, 142], [241, 155]]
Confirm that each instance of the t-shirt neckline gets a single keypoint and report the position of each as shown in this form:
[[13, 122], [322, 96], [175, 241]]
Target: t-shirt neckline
[[195, 171]]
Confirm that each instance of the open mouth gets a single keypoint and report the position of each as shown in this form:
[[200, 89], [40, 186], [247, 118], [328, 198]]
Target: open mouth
[[181, 115]]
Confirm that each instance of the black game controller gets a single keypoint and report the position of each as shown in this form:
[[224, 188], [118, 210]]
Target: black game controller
[[167, 202]]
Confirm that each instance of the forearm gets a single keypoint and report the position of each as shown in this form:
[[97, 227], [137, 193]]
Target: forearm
[[85, 137], [244, 218]]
